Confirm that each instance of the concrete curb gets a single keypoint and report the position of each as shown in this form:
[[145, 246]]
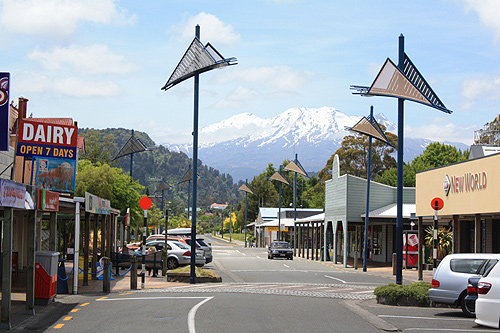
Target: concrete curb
[[376, 321]]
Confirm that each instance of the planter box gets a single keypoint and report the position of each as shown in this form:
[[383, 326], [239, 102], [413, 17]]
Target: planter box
[[184, 277]]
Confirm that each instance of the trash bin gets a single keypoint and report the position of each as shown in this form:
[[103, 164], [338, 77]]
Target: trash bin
[[45, 276]]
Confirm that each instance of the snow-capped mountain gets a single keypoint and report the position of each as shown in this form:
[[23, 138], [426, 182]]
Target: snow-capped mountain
[[243, 145]]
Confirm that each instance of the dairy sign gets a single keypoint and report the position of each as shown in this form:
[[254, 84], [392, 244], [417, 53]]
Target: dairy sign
[[468, 182], [37, 139]]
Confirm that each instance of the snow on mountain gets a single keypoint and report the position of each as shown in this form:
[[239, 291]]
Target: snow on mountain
[[244, 144]]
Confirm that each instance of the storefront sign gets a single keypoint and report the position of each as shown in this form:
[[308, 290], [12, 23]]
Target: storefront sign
[[468, 182], [285, 229], [48, 200], [97, 205], [4, 111], [56, 174], [46, 140], [12, 194]]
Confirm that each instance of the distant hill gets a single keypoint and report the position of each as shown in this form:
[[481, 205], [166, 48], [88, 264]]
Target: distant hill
[[159, 162]]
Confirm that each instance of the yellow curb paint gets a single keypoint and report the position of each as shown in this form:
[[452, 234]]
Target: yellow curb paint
[[84, 304], [58, 326], [74, 310], [67, 318]]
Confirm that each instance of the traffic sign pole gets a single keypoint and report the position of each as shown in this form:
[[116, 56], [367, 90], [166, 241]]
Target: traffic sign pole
[[437, 204], [145, 204]]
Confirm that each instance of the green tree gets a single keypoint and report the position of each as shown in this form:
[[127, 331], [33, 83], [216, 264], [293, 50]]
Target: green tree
[[435, 155], [98, 149], [353, 156], [112, 184]]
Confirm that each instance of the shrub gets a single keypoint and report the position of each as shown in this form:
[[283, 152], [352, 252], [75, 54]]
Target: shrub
[[395, 293]]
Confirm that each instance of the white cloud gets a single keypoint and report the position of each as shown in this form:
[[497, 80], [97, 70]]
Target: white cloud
[[236, 99], [57, 18], [481, 88], [488, 12], [212, 30], [441, 130], [93, 59], [77, 87], [270, 78], [28, 82]]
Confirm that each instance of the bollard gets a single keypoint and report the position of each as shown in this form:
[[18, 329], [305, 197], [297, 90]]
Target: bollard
[[164, 259], [356, 260], [106, 279], [394, 259], [133, 273]]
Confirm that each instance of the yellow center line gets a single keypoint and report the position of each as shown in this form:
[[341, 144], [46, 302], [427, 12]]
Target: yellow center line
[[58, 326], [125, 294], [75, 310], [101, 298], [84, 304], [67, 318]]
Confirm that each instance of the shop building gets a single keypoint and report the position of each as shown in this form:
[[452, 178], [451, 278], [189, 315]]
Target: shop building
[[470, 191], [345, 206]]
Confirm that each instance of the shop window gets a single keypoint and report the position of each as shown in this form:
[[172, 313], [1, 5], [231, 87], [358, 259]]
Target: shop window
[[377, 240]]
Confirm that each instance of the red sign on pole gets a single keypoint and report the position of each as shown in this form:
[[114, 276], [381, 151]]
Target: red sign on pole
[[437, 203], [145, 203]]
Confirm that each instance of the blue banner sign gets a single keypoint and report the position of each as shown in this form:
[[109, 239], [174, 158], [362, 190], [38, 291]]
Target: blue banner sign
[[4, 111]]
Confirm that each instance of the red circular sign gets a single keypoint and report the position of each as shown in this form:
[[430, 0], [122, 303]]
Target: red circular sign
[[145, 203], [437, 202]]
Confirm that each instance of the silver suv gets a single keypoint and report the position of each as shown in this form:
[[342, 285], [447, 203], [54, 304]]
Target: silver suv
[[449, 283]]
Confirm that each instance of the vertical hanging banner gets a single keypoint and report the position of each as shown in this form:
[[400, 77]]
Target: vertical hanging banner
[[56, 174], [4, 111]]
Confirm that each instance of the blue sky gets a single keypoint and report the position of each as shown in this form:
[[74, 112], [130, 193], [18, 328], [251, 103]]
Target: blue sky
[[103, 62]]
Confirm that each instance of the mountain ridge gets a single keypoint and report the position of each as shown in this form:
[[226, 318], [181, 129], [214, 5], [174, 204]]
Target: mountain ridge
[[243, 145]]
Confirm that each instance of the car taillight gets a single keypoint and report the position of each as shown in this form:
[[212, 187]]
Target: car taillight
[[483, 288], [435, 283], [471, 289], [187, 254]]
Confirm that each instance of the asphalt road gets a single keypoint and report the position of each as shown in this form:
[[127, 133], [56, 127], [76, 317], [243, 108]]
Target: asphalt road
[[261, 295]]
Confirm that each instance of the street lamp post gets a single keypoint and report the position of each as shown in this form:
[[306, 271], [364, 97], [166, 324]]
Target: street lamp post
[[197, 59]]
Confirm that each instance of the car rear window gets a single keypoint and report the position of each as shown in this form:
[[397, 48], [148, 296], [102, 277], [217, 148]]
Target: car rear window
[[469, 266], [201, 242]]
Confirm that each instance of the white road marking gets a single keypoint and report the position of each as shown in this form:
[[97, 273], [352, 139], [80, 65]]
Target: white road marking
[[426, 318], [334, 278], [363, 292], [286, 266], [192, 313]]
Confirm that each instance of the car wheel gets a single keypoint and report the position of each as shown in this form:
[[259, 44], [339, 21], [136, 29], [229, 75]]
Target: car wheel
[[468, 313], [172, 263], [291, 258]]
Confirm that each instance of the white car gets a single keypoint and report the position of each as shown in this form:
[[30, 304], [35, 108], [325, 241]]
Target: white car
[[488, 300], [449, 283]]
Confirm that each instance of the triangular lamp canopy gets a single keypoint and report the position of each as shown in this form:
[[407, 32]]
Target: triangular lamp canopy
[[162, 186], [408, 84], [187, 176], [133, 145], [296, 167], [279, 177], [246, 188], [197, 59], [371, 128]]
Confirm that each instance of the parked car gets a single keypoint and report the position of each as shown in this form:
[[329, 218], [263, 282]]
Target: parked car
[[488, 301], [470, 299], [200, 243], [449, 283], [207, 247], [279, 249], [178, 254]]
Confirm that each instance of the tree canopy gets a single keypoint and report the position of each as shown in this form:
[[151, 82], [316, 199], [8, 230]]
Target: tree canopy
[[353, 156]]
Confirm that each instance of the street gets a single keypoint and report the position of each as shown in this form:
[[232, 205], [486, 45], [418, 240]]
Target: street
[[261, 295]]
